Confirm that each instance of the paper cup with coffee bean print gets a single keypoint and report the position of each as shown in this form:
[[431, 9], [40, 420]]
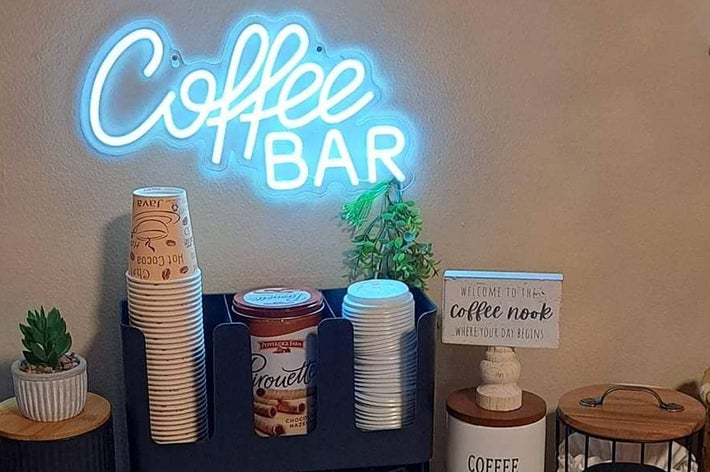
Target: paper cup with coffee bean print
[[162, 243]]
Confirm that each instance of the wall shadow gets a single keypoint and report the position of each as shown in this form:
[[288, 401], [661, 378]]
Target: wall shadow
[[104, 354], [6, 389], [690, 387]]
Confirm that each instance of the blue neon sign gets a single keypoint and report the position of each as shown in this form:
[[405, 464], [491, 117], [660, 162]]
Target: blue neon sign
[[274, 101]]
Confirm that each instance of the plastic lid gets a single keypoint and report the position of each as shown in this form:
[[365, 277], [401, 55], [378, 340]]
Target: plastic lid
[[277, 302], [378, 292]]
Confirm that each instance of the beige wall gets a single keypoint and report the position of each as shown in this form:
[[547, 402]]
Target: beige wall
[[566, 136]]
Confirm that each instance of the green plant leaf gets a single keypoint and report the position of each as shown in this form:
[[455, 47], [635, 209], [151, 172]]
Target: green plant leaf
[[30, 332], [37, 351], [45, 337], [31, 358], [53, 320], [52, 360], [33, 320], [62, 345], [391, 227]]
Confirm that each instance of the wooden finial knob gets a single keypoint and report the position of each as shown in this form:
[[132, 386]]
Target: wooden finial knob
[[500, 371]]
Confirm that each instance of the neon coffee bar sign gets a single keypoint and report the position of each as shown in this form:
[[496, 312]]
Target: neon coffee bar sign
[[274, 101]]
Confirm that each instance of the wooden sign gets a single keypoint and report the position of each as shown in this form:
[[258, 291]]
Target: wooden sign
[[516, 309]]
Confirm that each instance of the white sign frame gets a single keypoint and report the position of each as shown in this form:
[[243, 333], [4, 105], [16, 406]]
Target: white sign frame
[[494, 308]]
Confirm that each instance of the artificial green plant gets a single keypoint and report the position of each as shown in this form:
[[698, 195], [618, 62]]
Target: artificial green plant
[[45, 338], [385, 240]]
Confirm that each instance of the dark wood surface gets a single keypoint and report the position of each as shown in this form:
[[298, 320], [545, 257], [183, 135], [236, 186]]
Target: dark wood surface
[[461, 404]]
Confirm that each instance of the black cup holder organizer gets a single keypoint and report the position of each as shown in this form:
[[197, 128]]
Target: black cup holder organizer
[[335, 443]]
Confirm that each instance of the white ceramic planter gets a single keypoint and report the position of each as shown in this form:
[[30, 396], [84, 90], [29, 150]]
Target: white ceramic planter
[[50, 397]]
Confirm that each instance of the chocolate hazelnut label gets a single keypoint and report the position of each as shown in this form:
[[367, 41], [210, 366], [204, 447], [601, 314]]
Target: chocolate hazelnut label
[[284, 382]]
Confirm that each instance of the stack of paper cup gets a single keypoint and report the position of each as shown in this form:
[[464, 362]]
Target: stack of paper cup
[[165, 303], [385, 341]]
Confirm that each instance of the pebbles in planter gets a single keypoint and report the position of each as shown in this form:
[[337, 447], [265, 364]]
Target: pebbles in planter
[[165, 303]]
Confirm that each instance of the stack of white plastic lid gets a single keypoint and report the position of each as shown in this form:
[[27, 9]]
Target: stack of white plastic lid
[[165, 303], [385, 340]]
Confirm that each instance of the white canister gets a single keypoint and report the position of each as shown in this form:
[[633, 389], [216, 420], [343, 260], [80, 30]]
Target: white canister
[[480, 440]]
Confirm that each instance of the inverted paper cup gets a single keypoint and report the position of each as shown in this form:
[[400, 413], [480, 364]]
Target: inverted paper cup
[[182, 386], [194, 372], [163, 286], [158, 395], [156, 314], [159, 361], [167, 322], [189, 327], [177, 425], [158, 378], [138, 296], [153, 341], [179, 414], [165, 311], [186, 344], [187, 377], [156, 339], [200, 435], [181, 439], [162, 245], [168, 424], [184, 389], [191, 376], [193, 426], [195, 430], [190, 403], [173, 384], [191, 347], [194, 365], [167, 359], [173, 395], [177, 399]]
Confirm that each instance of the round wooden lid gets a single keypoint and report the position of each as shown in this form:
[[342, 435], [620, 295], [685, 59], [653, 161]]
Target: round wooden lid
[[632, 415], [461, 404], [15, 426]]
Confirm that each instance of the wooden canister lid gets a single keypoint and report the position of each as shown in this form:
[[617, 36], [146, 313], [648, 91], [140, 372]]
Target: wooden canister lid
[[632, 415], [16, 427], [461, 404]]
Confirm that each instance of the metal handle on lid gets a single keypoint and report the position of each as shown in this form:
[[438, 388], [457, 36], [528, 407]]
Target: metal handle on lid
[[596, 401]]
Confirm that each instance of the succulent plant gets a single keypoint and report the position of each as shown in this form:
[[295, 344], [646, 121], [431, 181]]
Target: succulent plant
[[45, 338]]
